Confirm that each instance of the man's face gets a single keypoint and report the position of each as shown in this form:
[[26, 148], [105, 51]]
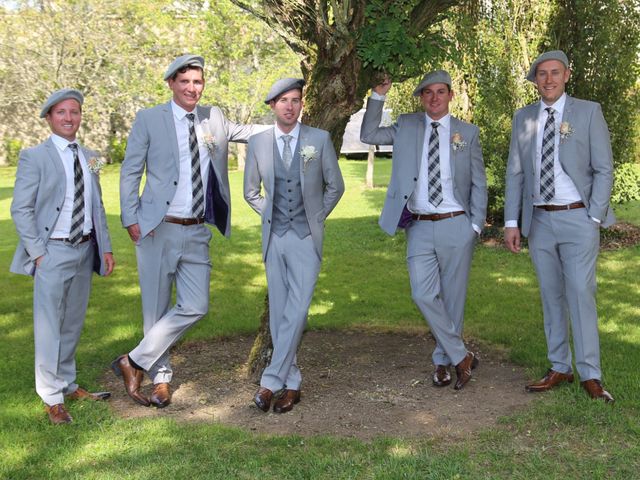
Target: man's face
[[187, 88], [64, 118], [287, 108], [435, 100], [551, 77]]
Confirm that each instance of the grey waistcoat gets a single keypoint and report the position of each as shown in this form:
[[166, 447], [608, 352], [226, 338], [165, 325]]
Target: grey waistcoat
[[288, 206]]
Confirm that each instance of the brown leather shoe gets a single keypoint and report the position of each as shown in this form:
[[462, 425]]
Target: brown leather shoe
[[550, 380], [58, 414], [161, 396], [441, 376], [463, 370], [286, 401], [132, 379], [262, 399], [595, 390], [82, 394]]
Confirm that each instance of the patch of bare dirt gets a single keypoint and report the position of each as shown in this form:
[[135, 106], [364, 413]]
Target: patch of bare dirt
[[356, 384]]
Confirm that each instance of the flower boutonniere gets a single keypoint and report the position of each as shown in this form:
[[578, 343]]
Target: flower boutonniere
[[565, 131], [207, 137], [457, 142], [308, 153], [95, 164]]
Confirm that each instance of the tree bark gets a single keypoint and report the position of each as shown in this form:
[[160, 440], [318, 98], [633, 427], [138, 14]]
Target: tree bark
[[260, 355]]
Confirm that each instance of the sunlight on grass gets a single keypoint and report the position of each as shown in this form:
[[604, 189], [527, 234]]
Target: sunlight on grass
[[401, 451]]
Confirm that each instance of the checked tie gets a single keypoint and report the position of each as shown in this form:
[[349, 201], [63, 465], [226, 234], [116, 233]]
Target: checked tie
[[77, 215], [547, 190], [435, 185], [196, 176], [287, 156]]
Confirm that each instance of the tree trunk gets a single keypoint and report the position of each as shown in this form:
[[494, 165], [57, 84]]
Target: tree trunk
[[262, 348], [371, 156]]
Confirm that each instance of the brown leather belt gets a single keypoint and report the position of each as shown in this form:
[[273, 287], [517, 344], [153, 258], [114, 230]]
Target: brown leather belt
[[434, 217], [555, 208], [84, 238], [183, 221]]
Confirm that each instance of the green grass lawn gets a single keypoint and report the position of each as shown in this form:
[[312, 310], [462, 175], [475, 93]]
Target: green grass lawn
[[363, 283]]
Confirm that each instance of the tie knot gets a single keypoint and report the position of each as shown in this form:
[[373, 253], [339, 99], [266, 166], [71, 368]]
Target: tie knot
[[435, 125], [286, 139], [74, 147], [191, 117], [550, 111]]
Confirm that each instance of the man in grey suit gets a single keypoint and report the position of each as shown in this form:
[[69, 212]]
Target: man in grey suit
[[182, 147], [438, 191], [301, 184], [58, 212], [559, 179]]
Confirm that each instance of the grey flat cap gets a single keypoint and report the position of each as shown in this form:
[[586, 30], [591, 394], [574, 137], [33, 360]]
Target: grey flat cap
[[552, 55], [58, 96], [437, 76], [183, 61], [284, 85]]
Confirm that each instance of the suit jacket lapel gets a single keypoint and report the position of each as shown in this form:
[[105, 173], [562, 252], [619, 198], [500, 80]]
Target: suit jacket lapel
[[567, 116], [167, 117], [454, 126], [420, 126], [531, 131], [302, 140], [56, 160], [266, 155]]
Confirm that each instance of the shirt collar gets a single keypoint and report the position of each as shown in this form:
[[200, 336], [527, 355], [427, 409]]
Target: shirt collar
[[61, 143], [295, 133], [180, 112], [558, 105], [444, 121]]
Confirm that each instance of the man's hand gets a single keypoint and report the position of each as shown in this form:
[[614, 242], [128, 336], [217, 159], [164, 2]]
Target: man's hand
[[512, 238], [109, 263], [39, 260], [134, 232], [383, 88]]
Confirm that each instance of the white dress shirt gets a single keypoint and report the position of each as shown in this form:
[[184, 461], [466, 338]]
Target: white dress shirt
[[63, 225], [182, 204], [295, 133]]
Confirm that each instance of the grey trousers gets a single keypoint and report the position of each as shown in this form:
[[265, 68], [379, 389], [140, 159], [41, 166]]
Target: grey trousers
[[292, 266], [61, 289], [174, 255], [564, 248], [439, 258]]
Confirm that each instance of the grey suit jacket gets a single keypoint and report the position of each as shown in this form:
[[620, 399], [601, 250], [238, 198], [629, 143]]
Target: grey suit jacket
[[38, 196], [321, 180], [153, 146], [585, 157], [407, 138]]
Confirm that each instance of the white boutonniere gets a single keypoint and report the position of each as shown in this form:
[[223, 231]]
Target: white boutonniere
[[565, 131], [457, 142], [95, 164], [207, 137], [308, 153]]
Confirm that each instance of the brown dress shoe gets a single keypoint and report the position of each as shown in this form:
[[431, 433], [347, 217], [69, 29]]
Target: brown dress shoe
[[82, 394], [595, 390], [441, 376], [463, 370], [262, 399], [161, 396], [58, 414], [132, 379], [550, 380], [286, 401]]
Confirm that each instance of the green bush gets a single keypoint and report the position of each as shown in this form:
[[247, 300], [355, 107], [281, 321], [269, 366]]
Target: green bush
[[626, 183], [116, 150], [12, 148]]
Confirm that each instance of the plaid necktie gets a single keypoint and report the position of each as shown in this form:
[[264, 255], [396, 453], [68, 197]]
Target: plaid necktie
[[196, 177], [287, 156], [435, 185], [547, 190], [77, 214]]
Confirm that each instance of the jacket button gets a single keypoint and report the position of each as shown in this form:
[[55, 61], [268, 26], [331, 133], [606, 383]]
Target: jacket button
[[46, 229], [57, 209], [405, 197], [175, 183], [169, 203], [415, 179]]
